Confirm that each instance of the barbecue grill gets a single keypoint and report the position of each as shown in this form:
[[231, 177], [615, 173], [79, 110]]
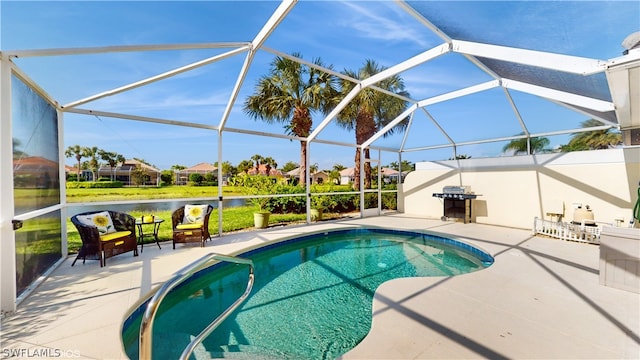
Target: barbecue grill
[[457, 202]]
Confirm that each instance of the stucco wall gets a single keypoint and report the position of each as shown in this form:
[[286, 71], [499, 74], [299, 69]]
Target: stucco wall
[[514, 190]]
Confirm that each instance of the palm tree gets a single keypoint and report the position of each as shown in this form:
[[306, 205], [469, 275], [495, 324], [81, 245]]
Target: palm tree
[[592, 140], [289, 94], [257, 160], [244, 166], [519, 146], [227, 168], [92, 154], [78, 152], [269, 164], [113, 159], [290, 165], [370, 111], [17, 154]]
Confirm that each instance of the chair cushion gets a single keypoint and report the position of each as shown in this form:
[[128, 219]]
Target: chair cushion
[[115, 235], [194, 214], [188, 226], [101, 220]]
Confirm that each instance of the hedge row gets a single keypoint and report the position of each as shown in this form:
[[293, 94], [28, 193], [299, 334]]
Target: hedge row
[[93, 184], [336, 203]]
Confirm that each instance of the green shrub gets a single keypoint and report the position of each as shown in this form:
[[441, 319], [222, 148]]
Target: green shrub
[[390, 201], [211, 179], [166, 177], [283, 205], [196, 178], [93, 184]]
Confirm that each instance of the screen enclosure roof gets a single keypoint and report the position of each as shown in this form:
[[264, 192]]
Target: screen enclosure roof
[[475, 72]]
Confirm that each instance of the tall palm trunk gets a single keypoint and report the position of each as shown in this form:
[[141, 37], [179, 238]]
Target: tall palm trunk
[[78, 157], [301, 126], [365, 128]]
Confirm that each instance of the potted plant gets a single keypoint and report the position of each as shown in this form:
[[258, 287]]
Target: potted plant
[[318, 204], [321, 204], [259, 185]]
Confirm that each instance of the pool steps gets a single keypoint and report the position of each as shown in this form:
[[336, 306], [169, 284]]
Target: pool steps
[[146, 326]]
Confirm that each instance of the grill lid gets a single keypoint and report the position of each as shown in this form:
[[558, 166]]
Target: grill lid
[[452, 189]]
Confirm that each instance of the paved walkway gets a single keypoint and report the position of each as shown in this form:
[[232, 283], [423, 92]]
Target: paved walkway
[[540, 299]]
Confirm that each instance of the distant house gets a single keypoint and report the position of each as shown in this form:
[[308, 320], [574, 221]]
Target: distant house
[[182, 176], [318, 177], [390, 175], [123, 172], [347, 176], [262, 170], [35, 172]]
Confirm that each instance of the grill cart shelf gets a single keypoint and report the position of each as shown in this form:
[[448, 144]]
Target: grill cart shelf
[[457, 203]]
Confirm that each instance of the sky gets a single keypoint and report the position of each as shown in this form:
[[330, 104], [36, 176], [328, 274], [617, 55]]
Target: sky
[[343, 34]]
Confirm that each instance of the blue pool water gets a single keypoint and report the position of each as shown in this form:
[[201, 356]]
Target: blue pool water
[[311, 299]]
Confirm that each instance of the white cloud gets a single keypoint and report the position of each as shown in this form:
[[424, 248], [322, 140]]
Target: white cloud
[[371, 24]]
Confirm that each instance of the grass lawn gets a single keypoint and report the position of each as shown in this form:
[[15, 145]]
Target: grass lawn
[[235, 218], [147, 193]]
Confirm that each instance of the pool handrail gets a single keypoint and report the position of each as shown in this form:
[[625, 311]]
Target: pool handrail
[[146, 325]]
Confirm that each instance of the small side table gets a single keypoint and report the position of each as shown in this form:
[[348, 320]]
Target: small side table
[[557, 216], [156, 226]]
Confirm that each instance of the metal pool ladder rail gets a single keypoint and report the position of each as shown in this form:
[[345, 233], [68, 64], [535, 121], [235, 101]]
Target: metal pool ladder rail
[[146, 325]]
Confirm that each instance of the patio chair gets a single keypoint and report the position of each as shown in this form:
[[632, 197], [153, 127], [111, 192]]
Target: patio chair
[[191, 224], [105, 234]]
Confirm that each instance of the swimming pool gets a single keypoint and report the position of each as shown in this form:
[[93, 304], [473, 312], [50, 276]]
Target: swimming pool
[[311, 298]]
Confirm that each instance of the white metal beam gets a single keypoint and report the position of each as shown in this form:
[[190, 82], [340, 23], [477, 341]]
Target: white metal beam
[[390, 125], [525, 131], [309, 64], [276, 18], [459, 93], [509, 138], [370, 81], [139, 118], [416, 15], [407, 131], [559, 62], [334, 73], [8, 244], [333, 113], [557, 95], [33, 85], [123, 48], [438, 32], [157, 77], [236, 89], [590, 114], [407, 64], [437, 124]]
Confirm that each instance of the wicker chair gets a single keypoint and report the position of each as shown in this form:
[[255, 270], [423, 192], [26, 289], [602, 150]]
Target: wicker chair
[[185, 233], [97, 247]]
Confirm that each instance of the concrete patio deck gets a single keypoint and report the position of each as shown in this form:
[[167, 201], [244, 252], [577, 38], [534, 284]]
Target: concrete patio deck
[[540, 299]]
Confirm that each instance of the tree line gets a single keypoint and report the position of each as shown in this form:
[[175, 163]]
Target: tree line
[[582, 141], [291, 92], [255, 165]]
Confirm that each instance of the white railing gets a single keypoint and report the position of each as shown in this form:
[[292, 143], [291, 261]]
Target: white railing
[[566, 231], [146, 325]]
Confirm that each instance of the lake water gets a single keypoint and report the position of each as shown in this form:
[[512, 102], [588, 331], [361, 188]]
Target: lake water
[[153, 206]]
